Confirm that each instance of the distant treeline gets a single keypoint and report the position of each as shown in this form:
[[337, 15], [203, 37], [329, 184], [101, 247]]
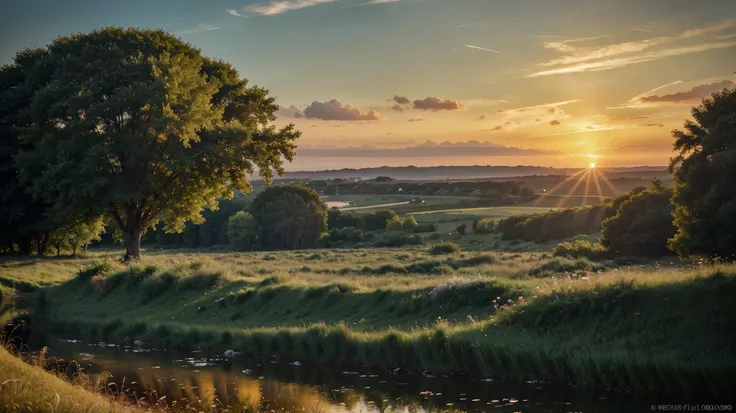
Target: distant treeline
[[387, 186], [560, 224]]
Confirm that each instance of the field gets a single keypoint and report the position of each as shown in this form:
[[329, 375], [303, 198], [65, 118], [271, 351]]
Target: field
[[508, 315]]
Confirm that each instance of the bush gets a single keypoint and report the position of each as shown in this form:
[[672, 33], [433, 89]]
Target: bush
[[378, 220], [409, 223], [422, 228], [642, 225], [580, 248], [461, 229], [483, 226], [240, 229], [561, 265], [444, 247], [99, 267], [394, 224]]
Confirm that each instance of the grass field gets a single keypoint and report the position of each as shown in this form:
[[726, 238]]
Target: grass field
[[506, 315], [28, 388]]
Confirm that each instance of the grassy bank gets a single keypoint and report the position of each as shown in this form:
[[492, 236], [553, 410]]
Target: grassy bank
[[514, 316], [29, 388]]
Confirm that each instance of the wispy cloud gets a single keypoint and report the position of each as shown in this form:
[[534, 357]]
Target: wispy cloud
[[567, 47], [594, 129], [542, 106], [374, 2], [234, 12], [462, 26], [201, 27], [693, 95], [481, 48], [626, 61], [274, 7], [612, 50], [636, 29]]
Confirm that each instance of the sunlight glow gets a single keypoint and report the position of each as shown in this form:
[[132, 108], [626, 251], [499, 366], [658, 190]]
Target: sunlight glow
[[592, 165]]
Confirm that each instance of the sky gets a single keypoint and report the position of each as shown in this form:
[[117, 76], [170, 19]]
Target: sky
[[561, 83]]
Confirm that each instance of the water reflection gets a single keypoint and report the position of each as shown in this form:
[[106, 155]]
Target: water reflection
[[266, 384]]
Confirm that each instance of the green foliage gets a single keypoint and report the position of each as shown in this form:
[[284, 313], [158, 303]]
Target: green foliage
[[445, 247], [409, 223], [642, 225], [564, 266], [399, 240], [704, 173], [560, 224], [378, 220], [138, 125], [240, 229], [394, 224], [337, 219], [99, 267], [581, 248], [483, 226], [289, 217], [424, 228]]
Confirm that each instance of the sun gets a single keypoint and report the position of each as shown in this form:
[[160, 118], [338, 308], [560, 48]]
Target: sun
[[592, 165]]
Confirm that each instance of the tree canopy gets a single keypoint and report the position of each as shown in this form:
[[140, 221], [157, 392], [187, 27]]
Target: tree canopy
[[136, 125], [289, 217], [642, 224], [704, 173]]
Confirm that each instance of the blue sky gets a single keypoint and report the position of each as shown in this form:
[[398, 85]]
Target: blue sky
[[549, 75]]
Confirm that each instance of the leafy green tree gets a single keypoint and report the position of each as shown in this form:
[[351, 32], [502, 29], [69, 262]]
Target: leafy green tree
[[138, 125], [704, 174], [240, 229], [289, 217], [394, 224], [378, 220], [642, 225]]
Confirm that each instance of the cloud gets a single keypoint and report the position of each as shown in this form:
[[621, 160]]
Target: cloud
[[374, 2], [495, 129], [201, 27], [481, 48], [636, 29], [289, 112], [692, 95], [416, 120], [542, 106], [554, 122], [565, 45], [336, 110], [274, 7], [589, 54], [626, 61], [427, 149], [397, 108], [401, 100], [436, 104], [234, 12]]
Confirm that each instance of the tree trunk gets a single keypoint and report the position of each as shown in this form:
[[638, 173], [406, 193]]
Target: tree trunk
[[132, 243]]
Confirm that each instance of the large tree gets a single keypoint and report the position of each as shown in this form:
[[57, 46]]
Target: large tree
[[705, 179], [140, 126], [289, 217]]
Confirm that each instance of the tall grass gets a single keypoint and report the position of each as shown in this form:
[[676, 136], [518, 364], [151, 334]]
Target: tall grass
[[608, 329]]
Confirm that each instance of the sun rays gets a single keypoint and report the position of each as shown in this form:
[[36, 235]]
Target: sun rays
[[586, 176]]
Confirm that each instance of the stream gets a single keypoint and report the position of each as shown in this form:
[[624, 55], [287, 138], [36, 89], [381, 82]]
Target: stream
[[272, 385]]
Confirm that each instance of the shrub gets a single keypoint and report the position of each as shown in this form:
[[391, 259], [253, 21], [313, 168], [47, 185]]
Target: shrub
[[394, 224], [483, 226], [240, 229], [461, 229], [561, 265], [444, 247], [580, 248], [99, 267], [425, 227], [409, 223]]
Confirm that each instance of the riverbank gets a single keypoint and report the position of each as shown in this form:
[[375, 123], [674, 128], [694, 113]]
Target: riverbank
[[508, 316], [25, 387]]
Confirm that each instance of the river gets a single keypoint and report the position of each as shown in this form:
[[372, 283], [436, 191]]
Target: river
[[269, 384]]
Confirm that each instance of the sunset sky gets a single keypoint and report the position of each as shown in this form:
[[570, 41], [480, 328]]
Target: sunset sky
[[445, 82]]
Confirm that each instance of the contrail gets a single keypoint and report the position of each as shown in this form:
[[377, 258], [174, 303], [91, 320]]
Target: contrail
[[481, 48]]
